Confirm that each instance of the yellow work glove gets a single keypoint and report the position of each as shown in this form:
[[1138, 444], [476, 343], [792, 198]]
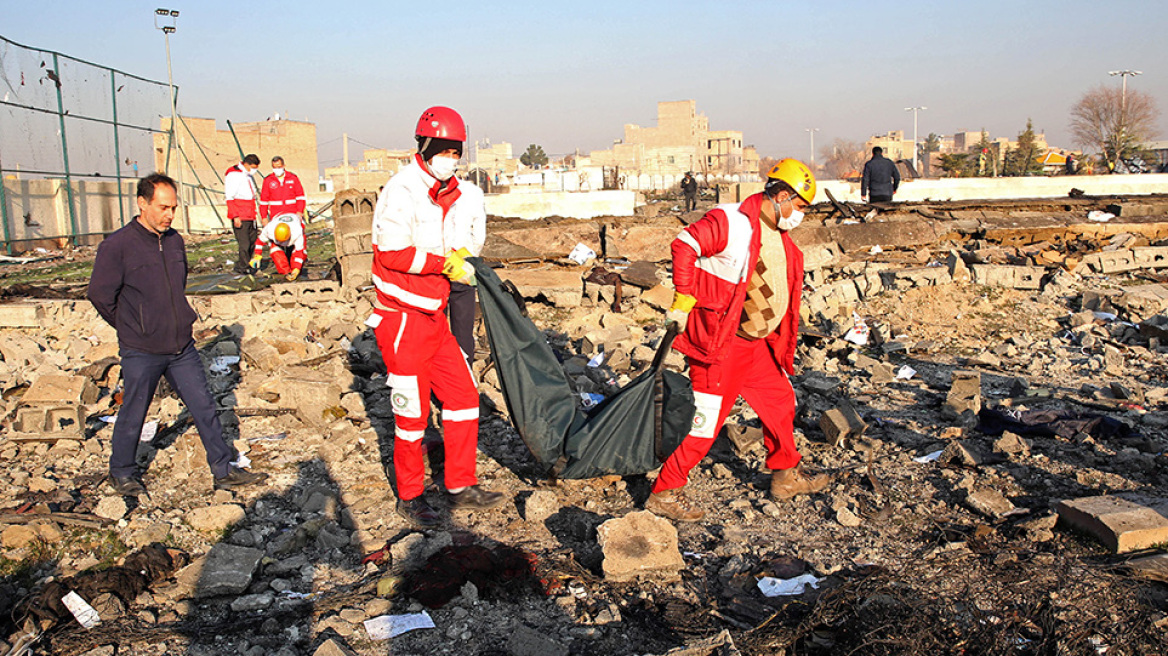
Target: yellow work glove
[[679, 312], [293, 276], [456, 267], [255, 262]]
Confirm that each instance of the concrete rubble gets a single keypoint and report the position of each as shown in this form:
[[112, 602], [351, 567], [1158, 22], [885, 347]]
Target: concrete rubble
[[1003, 308]]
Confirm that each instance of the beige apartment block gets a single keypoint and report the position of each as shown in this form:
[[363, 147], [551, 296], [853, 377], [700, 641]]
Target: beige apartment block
[[210, 151], [895, 146], [495, 158]]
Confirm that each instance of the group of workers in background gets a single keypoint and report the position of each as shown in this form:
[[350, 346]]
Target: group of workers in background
[[737, 273], [280, 217]]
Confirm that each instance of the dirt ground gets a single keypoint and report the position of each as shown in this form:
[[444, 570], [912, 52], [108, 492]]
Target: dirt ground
[[907, 564]]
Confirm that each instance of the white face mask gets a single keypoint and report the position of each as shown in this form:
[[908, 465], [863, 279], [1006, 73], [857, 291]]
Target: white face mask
[[278, 172], [790, 222], [443, 167]]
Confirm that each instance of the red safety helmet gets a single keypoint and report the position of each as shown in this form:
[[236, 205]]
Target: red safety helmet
[[441, 123]]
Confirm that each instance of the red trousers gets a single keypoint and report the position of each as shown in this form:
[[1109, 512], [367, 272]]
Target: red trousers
[[421, 357], [751, 371]]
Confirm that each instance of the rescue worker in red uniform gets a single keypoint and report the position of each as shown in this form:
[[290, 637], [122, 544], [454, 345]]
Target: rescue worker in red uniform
[[284, 237], [239, 191], [416, 235], [738, 280], [282, 193]]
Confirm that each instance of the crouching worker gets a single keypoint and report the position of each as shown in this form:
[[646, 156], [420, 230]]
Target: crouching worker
[[739, 278], [284, 235], [415, 239]]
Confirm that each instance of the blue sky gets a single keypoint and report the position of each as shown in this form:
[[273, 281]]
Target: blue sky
[[569, 75]]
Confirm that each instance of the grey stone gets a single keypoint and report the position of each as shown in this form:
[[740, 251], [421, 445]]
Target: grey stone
[[964, 394], [252, 602], [215, 518], [540, 505], [842, 423], [990, 503], [525, 641], [227, 570], [1012, 445], [111, 508], [331, 647]]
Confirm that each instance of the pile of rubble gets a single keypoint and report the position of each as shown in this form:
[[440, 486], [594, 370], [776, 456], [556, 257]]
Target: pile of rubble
[[910, 350]]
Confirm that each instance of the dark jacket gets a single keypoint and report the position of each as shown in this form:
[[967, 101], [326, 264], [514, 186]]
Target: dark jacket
[[138, 287], [881, 177], [689, 186]]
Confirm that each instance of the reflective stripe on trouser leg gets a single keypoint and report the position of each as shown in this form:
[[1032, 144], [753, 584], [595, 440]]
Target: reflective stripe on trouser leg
[[454, 387], [406, 350]]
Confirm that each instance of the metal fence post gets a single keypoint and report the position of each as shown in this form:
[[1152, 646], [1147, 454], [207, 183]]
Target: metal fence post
[[65, 151], [117, 149]]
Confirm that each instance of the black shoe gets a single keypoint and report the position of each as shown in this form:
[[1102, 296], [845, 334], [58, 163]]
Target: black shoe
[[238, 478], [474, 498], [129, 486], [418, 512]]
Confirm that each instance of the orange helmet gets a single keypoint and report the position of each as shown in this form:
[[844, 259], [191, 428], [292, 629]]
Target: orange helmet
[[797, 175], [282, 232]]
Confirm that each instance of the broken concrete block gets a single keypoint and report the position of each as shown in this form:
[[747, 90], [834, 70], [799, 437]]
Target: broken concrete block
[[525, 641], [18, 535], [743, 438], [21, 315], [842, 423], [964, 394], [261, 354], [639, 544], [990, 503], [958, 269], [1012, 445], [215, 518], [357, 270], [331, 647], [561, 287], [226, 570], [1151, 567], [660, 297], [960, 454], [1121, 524], [61, 390]]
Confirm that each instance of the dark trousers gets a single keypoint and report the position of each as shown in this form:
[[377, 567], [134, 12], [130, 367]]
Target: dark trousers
[[140, 374], [245, 236], [461, 310], [691, 201], [880, 198]]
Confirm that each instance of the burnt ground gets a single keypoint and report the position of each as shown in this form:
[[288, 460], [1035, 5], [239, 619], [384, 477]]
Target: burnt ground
[[909, 565]]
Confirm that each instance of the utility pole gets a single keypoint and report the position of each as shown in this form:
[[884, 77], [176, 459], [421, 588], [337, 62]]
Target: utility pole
[[812, 131], [345, 148], [1125, 74], [165, 19], [914, 110]]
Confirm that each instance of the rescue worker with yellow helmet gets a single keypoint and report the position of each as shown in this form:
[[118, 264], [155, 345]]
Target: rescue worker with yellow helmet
[[738, 278], [284, 235]]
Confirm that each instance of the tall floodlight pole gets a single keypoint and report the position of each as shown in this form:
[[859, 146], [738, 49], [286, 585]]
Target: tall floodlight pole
[[812, 131], [165, 19], [914, 110], [1125, 74]]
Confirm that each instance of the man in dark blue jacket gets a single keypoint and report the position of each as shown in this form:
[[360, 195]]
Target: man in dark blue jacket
[[138, 282], [881, 178]]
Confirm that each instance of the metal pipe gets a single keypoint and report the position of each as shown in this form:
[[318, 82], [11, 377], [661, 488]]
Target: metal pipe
[[204, 189], [65, 149], [4, 211], [117, 148]]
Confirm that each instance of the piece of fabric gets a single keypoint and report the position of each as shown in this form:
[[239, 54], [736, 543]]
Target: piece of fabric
[[750, 371], [630, 432], [461, 311], [281, 195], [767, 295], [422, 357], [137, 286], [1051, 423], [141, 372]]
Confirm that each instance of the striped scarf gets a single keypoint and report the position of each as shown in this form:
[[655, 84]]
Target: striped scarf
[[767, 294]]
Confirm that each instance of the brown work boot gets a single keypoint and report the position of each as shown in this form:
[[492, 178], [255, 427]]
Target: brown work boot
[[673, 504], [788, 483]]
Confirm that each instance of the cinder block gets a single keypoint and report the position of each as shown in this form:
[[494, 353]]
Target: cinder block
[[1121, 524], [841, 423], [1151, 257], [29, 420], [60, 390], [353, 201], [260, 354], [357, 270], [318, 291], [21, 315], [1028, 277]]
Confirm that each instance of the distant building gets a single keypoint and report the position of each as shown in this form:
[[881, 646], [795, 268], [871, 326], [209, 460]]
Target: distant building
[[295, 141]]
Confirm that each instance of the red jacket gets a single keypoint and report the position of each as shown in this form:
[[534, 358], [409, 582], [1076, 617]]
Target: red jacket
[[281, 196], [712, 261]]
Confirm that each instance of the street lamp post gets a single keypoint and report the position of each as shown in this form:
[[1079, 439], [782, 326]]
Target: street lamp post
[[812, 131], [1125, 74], [914, 110], [165, 19]]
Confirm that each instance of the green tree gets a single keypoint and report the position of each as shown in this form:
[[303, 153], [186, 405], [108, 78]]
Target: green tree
[[1023, 160], [959, 165], [931, 144], [534, 156]]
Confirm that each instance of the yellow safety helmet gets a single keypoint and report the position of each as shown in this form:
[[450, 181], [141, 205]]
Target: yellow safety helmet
[[797, 175], [282, 232]]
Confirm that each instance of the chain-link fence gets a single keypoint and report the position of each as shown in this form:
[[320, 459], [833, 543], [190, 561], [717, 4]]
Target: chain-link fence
[[72, 137]]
